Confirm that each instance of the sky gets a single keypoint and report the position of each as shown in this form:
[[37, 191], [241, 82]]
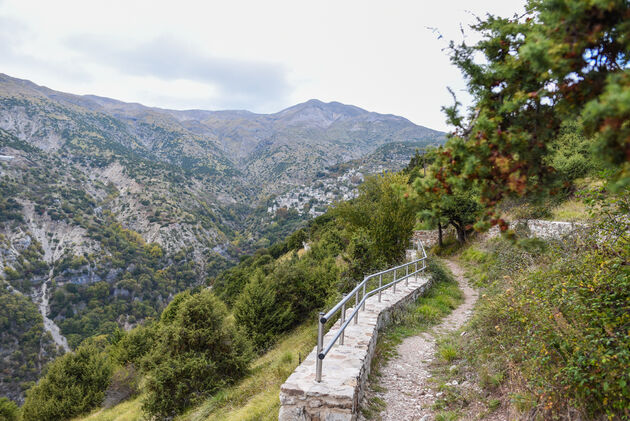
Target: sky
[[262, 56]]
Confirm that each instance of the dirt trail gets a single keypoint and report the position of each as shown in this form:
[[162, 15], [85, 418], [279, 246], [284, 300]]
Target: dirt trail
[[408, 394]]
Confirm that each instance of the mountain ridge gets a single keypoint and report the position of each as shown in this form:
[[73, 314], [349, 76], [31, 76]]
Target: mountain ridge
[[108, 208]]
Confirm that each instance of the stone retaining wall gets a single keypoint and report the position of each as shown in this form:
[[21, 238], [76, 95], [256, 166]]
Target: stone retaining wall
[[547, 230], [430, 237], [346, 367]]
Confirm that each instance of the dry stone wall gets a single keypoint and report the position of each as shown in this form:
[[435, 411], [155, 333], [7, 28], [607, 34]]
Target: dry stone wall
[[546, 230], [430, 237]]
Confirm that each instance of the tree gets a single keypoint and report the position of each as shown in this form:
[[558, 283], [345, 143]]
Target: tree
[[73, 385], [460, 210], [383, 213], [259, 311], [8, 410], [571, 154], [561, 60], [198, 351]]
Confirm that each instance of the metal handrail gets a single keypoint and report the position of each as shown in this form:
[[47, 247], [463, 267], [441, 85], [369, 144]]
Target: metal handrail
[[360, 305]]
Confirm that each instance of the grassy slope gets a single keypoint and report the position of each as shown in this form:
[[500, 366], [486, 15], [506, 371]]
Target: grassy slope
[[547, 337], [254, 398]]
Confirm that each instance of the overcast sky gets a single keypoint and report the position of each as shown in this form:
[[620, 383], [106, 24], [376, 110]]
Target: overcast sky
[[262, 56]]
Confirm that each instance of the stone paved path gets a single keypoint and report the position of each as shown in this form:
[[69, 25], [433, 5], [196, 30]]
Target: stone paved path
[[404, 377]]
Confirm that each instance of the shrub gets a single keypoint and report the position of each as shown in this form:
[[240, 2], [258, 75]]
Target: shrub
[[272, 304], [8, 410], [74, 384], [259, 311], [132, 346], [198, 351]]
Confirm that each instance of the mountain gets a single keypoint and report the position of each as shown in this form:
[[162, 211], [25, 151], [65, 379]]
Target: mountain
[[108, 209]]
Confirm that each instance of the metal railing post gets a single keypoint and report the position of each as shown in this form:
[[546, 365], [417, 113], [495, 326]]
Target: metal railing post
[[356, 305], [364, 300], [320, 345], [343, 319], [359, 305]]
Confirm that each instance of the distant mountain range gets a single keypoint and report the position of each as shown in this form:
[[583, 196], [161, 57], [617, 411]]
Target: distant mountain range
[[266, 150], [108, 209]]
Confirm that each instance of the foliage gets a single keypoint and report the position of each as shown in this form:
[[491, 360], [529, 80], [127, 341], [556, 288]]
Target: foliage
[[419, 162], [383, 213], [558, 315], [8, 410], [460, 210], [73, 384], [131, 347], [24, 345], [571, 153], [271, 304], [229, 284], [198, 351], [458, 207], [562, 60], [260, 312]]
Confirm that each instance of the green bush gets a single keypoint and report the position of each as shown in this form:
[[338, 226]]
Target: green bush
[[198, 351], [8, 410], [259, 311], [74, 384], [272, 304], [132, 346]]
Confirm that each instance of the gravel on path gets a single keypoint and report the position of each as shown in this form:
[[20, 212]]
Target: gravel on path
[[408, 394]]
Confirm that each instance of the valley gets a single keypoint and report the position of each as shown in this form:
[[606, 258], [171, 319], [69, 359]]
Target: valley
[[109, 209]]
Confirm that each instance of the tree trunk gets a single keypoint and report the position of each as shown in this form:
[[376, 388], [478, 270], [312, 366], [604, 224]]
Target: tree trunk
[[461, 233], [440, 234]]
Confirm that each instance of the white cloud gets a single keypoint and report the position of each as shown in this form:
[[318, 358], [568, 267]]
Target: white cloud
[[261, 56]]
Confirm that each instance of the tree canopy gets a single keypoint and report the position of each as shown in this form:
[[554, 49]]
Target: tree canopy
[[561, 60]]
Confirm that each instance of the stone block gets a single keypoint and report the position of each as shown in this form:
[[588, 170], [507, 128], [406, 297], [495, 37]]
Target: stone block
[[346, 367]]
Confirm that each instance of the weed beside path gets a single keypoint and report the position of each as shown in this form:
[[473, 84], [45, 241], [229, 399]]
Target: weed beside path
[[400, 386]]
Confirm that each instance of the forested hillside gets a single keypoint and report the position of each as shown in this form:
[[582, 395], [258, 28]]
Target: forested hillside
[[108, 209], [206, 338], [146, 234]]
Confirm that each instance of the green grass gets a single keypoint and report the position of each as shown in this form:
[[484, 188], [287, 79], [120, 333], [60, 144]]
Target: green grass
[[448, 352], [126, 411], [449, 247], [256, 397], [571, 210], [446, 416]]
